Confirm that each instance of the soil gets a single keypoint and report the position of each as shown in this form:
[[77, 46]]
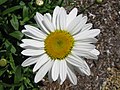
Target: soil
[[106, 17]]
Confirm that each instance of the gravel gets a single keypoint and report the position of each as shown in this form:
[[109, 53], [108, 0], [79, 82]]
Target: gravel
[[106, 17]]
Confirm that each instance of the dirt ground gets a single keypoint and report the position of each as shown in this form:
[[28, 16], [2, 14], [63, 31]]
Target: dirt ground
[[106, 70]]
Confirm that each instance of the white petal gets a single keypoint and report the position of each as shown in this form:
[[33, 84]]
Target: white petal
[[95, 52], [30, 61], [58, 20], [62, 19], [71, 76], [74, 23], [86, 54], [32, 43], [75, 61], [39, 19], [31, 52], [50, 75], [29, 47], [59, 81], [88, 40], [85, 69], [84, 46], [87, 34], [63, 70], [82, 65], [35, 31], [71, 15], [31, 35], [55, 70], [39, 15], [42, 71], [55, 15], [48, 24], [79, 71], [79, 26], [42, 60], [87, 27], [49, 17]]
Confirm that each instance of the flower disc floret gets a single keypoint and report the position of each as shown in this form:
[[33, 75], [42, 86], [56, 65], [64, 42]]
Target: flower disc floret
[[59, 44]]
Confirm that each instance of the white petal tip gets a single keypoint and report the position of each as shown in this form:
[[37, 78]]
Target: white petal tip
[[85, 17], [23, 65], [21, 45], [54, 79], [61, 83], [95, 51], [34, 70], [75, 83], [37, 12], [88, 72], [36, 81], [75, 9], [22, 52], [25, 26], [24, 31], [97, 31]]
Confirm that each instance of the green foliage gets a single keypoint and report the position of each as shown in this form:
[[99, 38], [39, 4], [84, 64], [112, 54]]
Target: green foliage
[[10, 47], [2, 70], [14, 14], [9, 10], [16, 34], [2, 1], [14, 22]]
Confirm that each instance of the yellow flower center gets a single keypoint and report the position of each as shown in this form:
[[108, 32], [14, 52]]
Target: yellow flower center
[[58, 44]]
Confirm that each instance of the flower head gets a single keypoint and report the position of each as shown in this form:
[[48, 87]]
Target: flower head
[[39, 2], [60, 44]]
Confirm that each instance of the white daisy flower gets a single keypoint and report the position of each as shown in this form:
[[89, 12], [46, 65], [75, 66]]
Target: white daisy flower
[[60, 44]]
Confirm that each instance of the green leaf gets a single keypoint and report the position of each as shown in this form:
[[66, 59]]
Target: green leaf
[[12, 88], [22, 3], [25, 12], [1, 2], [3, 70], [14, 22], [10, 47], [21, 88], [1, 87], [27, 82], [9, 10], [18, 75], [12, 64], [16, 34], [24, 20]]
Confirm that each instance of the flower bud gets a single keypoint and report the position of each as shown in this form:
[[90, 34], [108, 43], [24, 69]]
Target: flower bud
[[39, 2], [3, 62], [99, 1]]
